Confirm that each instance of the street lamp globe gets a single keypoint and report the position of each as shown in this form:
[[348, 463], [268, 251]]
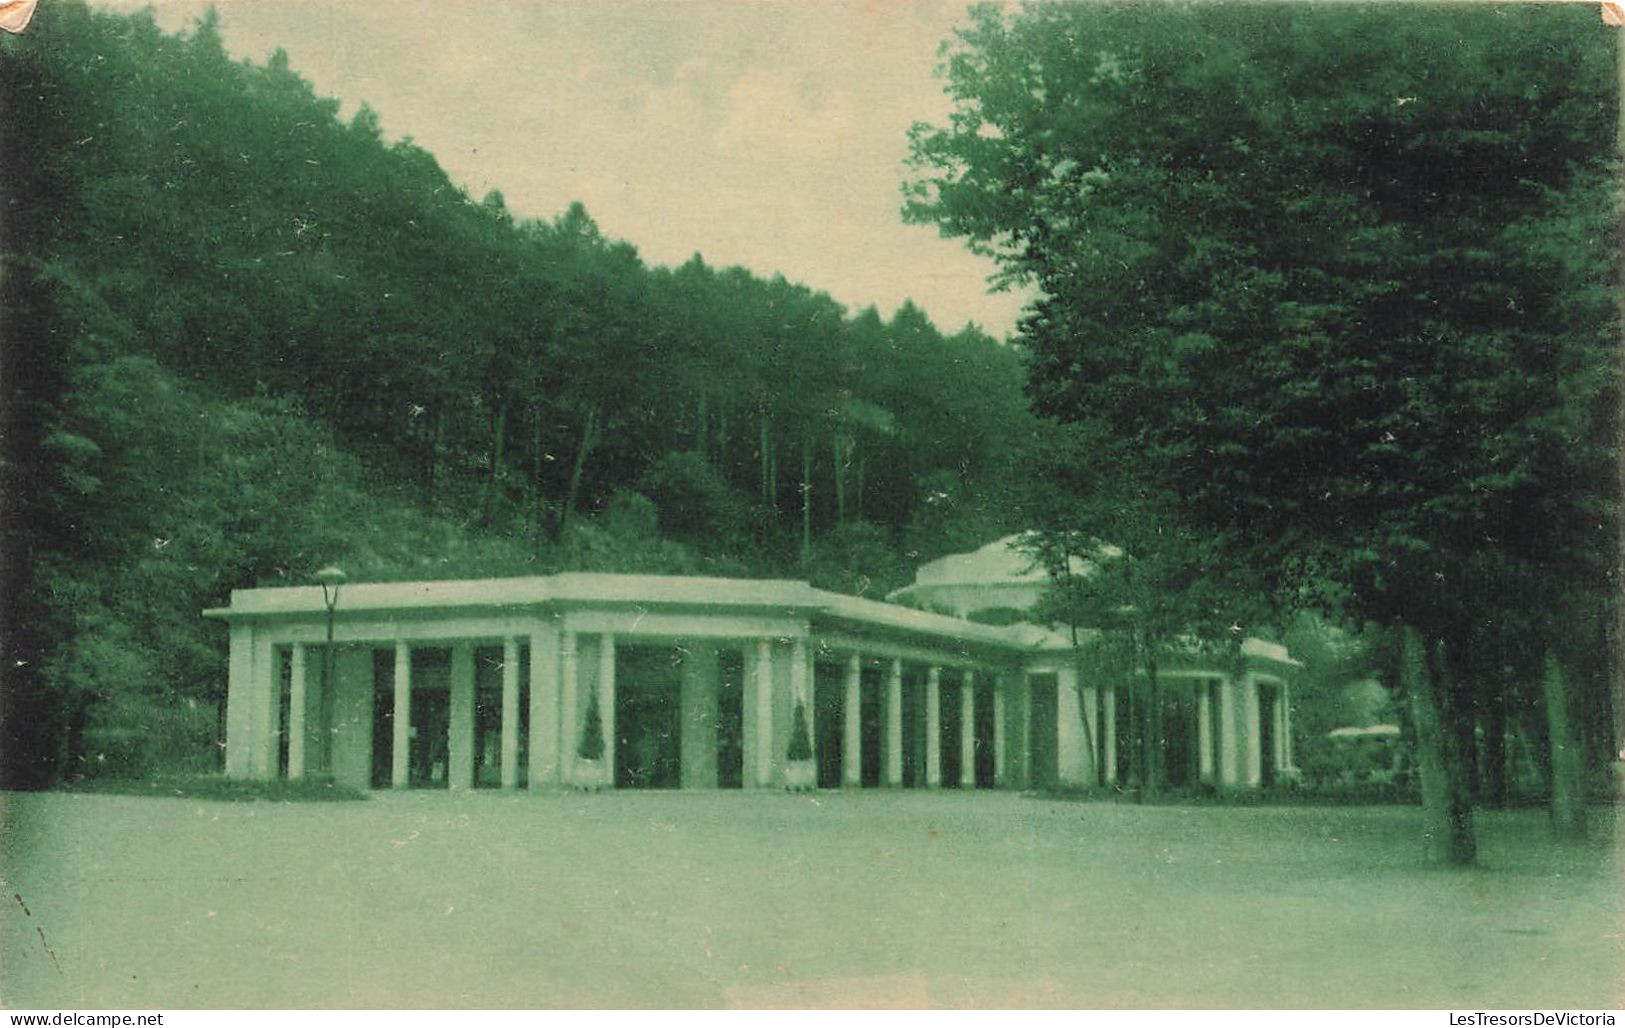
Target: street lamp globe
[[331, 578]]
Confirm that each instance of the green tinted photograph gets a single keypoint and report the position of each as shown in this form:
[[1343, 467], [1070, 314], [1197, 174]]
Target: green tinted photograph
[[841, 504]]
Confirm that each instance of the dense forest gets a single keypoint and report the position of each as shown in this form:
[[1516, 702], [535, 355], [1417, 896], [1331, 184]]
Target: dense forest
[[245, 338]]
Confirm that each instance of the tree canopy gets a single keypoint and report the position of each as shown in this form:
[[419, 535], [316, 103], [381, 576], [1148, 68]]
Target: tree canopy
[[1335, 280]]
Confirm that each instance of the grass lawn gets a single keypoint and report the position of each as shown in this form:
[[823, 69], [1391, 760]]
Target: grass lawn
[[732, 899]]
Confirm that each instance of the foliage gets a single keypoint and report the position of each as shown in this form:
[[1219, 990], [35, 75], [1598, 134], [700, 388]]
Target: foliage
[[857, 558], [246, 338], [591, 746], [1310, 282], [1331, 284], [800, 739], [216, 787]]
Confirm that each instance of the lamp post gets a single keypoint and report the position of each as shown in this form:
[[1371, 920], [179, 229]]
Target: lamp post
[[331, 577]]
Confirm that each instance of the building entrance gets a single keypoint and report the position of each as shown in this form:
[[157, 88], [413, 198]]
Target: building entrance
[[648, 718]]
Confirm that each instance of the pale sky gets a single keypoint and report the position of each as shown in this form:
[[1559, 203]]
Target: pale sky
[[765, 134]]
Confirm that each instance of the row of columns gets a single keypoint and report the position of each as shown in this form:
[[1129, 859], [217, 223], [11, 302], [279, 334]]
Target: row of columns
[[557, 714], [553, 752], [1227, 745], [892, 747]]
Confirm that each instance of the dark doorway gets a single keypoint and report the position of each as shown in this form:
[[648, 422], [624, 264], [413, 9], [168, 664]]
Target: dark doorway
[[487, 717], [383, 716], [430, 711], [648, 718], [431, 724], [1269, 697], [986, 728], [913, 731], [1126, 718], [829, 722], [1178, 735], [1041, 743], [1215, 739], [429, 753], [872, 704], [488, 673], [730, 719], [950, 729], [284, 703]]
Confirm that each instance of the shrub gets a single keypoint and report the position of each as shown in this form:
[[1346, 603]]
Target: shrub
[[592, 731], [800, 739]]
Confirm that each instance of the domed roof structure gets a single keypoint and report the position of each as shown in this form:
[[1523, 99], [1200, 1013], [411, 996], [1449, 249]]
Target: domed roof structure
[[1005, 576]]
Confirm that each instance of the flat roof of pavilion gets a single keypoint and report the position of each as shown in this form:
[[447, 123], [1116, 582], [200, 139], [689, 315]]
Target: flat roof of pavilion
[[591, 589], [722, 596]]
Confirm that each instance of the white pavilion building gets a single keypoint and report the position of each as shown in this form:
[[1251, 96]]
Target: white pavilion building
[[694, 683]]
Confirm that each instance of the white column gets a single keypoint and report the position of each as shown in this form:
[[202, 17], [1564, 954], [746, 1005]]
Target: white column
[[1001, 746], [750, 659], [1229, 772], [460, 719], [240, 702], [852, 740], [297, 686], [764, 712], [1286, 730], [1108, 714], [1026, 746], [1091, 731], [1070, 762], [268, 707], [510, 712], [933, 727], [894, 724], [400, 745], [1280, 729], [1204, 731], [967, 729], [606, 703], [697, 716], [1252, 723], [354, 696], [569, 708], [544, 707]]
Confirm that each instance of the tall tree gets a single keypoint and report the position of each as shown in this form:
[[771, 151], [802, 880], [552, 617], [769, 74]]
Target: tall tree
[[1285, 257]]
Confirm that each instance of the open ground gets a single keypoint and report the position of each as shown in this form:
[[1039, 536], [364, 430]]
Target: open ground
[[749, 899]]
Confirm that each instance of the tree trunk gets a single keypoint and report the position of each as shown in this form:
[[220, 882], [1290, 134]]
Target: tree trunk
[[1134, 745], [589, 439], [772, 477], [537, 504], [493, 482], [767, 501], [1152, 776], [1091, 721], [439, 457], [1447, 818], [806, 503], [499, 443], [701, 443], [857, 505], [1495, 748], [837, 450], [1568, 765], [1467, 746]]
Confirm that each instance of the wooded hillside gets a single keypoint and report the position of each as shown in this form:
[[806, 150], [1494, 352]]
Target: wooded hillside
[[244, 339]]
